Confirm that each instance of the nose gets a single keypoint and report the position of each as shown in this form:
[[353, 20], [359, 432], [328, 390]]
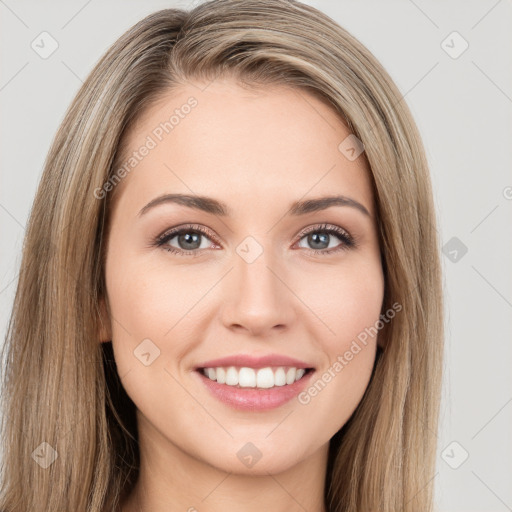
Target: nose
[[257, 299]]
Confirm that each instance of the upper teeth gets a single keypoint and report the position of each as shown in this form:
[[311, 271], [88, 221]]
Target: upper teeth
[[252, 378]]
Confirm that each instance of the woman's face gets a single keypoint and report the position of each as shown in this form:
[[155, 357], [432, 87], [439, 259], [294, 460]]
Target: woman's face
[[261, 278]]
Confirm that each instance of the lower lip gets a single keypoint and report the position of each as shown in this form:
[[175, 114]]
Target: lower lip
[[255, 399]]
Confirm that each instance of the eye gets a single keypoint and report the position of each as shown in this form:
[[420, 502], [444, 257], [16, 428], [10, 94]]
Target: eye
[[188, 237], [320, 238]]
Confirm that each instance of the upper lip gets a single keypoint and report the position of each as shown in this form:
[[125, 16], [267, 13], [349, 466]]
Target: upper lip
[[246, 360]]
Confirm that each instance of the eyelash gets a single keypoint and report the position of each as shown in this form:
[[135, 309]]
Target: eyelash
[[348, 241]]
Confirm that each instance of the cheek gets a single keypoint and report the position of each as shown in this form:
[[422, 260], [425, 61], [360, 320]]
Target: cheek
[[152, 300], [346, 299], [349, 306], [136, 304], [136, 308], [146, 307]]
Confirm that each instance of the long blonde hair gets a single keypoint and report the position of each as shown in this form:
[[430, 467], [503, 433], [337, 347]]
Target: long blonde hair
[[61, 386]]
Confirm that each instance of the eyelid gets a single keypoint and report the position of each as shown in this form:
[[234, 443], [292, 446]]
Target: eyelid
[[198, 227], [323, 227]]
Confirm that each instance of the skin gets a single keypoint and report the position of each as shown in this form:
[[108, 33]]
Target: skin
[[257, 151]]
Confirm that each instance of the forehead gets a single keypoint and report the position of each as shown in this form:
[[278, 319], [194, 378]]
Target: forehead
[[223, 140]]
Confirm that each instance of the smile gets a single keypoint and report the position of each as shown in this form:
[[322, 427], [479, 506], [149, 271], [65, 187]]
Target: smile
[[251, 389]]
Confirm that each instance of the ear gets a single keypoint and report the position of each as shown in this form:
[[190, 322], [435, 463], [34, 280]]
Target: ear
[[104, 327]]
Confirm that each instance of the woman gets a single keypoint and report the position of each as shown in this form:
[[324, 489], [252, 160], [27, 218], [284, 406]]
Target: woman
[[230, 292]]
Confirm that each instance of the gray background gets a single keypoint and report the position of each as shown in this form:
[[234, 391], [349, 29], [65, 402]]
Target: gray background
[[463, 108]]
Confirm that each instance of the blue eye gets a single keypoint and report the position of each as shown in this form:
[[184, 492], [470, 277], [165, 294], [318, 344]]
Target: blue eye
[[321, 235], [189, 237]]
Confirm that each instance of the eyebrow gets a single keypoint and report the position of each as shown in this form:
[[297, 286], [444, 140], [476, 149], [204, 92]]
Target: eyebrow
[[215, 207]]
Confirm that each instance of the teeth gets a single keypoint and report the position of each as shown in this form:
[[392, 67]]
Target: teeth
[[251, 378], [221, 375]]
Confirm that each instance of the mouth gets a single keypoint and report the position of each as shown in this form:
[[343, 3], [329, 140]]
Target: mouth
[[254, 389], [258, 378]]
